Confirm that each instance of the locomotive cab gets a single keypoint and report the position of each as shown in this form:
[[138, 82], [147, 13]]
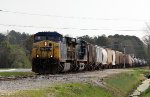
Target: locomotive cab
[[46, 52], [82, 51]]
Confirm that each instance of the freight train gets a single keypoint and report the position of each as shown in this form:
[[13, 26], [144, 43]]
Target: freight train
[[52, 53]]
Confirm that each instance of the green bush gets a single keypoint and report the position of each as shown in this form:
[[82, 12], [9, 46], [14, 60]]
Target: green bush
[[13, 56]]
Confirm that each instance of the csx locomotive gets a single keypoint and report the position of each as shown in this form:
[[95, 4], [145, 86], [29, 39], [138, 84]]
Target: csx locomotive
[[52, 53]]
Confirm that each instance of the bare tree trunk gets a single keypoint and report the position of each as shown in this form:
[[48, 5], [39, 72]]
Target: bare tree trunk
[[147, 42], [148, 53]]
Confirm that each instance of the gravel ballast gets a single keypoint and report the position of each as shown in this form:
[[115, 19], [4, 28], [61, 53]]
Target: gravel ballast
[[40, 81]]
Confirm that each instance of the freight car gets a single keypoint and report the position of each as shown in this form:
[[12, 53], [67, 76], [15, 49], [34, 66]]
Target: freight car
[[128, 60], [104, 56], [109, 58], [118, 61], [113, 59], [52, 53]]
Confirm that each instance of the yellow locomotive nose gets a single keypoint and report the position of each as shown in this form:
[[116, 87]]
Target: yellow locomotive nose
[[46, 52], [42, 49]]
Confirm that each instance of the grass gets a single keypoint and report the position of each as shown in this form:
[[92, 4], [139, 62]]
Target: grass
[[146, 93], [142, 70], [66, 90], [16, 74], [123, 84], [81, 90]]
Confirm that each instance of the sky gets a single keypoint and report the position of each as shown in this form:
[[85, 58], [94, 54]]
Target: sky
[[76, 17]]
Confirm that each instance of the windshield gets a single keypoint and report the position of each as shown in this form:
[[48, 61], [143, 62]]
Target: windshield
[[39, 38], [52, 38]]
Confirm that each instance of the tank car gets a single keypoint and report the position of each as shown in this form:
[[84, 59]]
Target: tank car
[[139, 62], [104, 57], [136, 61], [133, 62], [101, 56], [98, 57], [113, 59]]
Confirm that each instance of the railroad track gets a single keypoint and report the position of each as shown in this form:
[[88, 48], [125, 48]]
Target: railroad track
[[62, 75]]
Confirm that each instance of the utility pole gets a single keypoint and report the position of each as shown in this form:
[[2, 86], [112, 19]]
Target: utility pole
[[148, 50], [124, 49]]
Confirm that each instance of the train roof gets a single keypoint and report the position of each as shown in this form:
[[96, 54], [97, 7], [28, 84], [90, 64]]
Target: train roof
[[48, 34]]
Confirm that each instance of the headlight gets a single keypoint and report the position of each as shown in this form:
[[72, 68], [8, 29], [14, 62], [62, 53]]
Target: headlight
[[45, 43]]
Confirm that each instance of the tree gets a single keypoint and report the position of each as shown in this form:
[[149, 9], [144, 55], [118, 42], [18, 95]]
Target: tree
[[88, 39], [101, 40], [146, 39], [14, 48], [132, 43], [2, 37]]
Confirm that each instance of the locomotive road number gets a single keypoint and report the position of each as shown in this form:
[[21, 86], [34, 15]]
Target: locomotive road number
[[45, 48]]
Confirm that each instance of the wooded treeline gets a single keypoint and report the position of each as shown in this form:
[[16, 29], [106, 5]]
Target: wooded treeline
[[15, 47], [133, 45], [14, 50]]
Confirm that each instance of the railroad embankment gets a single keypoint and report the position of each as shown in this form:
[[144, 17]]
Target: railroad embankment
[[106, 83]]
